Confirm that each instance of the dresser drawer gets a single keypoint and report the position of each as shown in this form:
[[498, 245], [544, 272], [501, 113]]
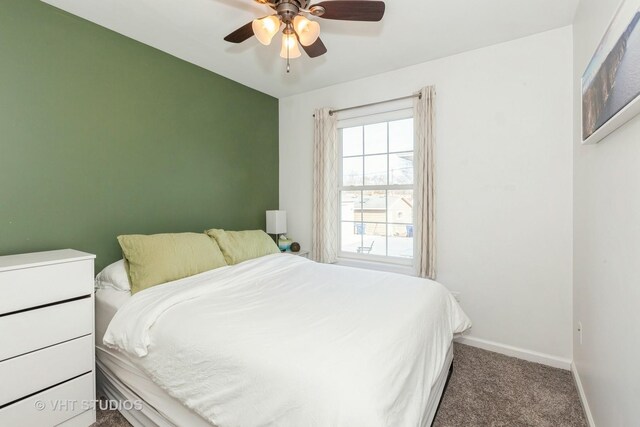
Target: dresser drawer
[[35, 286], [75, 395], [34, 329], [32, 372], [85, 419]]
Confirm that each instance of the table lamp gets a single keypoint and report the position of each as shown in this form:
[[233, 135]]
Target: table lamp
[[276, 223]]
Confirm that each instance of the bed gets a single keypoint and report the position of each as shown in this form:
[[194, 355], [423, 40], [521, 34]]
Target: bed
[[278, 340]]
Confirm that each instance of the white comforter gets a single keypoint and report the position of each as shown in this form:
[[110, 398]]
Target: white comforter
[[284, 341]]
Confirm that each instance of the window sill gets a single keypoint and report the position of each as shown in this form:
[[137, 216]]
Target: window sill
[[379, 266]]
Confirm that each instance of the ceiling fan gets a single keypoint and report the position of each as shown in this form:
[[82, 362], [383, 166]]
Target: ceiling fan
[[299, 29]]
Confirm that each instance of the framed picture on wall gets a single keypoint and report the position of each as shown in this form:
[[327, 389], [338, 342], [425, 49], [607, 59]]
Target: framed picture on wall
[[611, 82]]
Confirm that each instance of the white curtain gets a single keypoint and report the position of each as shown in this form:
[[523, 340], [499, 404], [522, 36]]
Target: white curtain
[[325, 187], [424, 236]]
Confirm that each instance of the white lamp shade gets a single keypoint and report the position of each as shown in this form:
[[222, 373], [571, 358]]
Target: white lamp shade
[[264, 29], [289, 47], [308, 31], [276, 222]]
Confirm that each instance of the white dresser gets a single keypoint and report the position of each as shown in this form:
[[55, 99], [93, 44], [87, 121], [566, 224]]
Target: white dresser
[[47, 339]]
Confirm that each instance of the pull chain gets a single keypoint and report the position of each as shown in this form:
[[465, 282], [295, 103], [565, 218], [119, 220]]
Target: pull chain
[[288, 63]]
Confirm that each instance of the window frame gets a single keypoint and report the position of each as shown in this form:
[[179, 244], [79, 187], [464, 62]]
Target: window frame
[[382, 117]]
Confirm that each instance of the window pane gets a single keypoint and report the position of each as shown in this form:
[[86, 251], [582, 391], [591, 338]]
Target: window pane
[[374, 240], [401, 135], [352, 141], [400, 240], [375, 138], [351, 206], [375, 170], [400, 206], [401, 168], [374, 206], [352, 171], [351, 236]]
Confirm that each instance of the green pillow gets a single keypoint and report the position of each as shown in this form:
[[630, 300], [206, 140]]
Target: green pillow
[[238, 246], [161, 258]]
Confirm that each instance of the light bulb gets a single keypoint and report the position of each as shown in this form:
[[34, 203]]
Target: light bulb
[[289, 41], [265, 28], [307, 30]]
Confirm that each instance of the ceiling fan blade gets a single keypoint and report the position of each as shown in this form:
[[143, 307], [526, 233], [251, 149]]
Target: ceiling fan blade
[[241, 34], [352, 10], [316, 49]]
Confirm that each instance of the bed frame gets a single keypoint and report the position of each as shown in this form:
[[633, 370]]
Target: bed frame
[[444, 390], [438, 389]]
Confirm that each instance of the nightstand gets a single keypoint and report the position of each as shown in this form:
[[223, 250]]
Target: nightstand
[[301, 253], [47, 332]]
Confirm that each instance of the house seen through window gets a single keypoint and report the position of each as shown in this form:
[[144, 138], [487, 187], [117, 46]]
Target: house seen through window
[[376, 191]]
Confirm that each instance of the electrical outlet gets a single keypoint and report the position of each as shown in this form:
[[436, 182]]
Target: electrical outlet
[[456, 295], [580, 332]]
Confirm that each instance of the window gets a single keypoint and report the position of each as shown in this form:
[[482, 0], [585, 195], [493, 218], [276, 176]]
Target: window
[[376, 188]]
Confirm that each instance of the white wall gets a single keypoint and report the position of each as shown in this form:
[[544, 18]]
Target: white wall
[[504, 180], [606, 248]]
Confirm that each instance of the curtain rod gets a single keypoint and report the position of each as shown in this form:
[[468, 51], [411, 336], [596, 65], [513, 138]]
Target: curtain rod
[[417, 95]]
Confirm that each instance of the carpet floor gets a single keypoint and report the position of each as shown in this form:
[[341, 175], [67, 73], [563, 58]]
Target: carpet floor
[[488, 389]]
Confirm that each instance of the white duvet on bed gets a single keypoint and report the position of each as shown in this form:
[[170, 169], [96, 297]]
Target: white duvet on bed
[[284, 341]]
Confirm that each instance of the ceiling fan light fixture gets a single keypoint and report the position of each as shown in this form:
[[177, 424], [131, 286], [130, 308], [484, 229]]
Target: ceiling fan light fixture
[[298, 29], [265, 28], [308, 31], [290, 47]]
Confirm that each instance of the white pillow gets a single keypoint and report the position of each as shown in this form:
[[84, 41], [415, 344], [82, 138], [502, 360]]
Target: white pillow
[[114, 276]]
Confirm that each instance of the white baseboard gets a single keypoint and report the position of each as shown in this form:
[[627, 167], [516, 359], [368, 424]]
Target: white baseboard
[[520, 353], [583, 396]]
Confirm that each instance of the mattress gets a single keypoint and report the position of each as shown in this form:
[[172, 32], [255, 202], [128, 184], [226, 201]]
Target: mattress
[[119, 379], [108, 301]]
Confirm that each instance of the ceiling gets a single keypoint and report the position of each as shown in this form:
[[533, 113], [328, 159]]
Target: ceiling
[[412, 31]]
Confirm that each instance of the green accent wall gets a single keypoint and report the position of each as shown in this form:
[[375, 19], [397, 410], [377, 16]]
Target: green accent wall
[[101, 135]]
